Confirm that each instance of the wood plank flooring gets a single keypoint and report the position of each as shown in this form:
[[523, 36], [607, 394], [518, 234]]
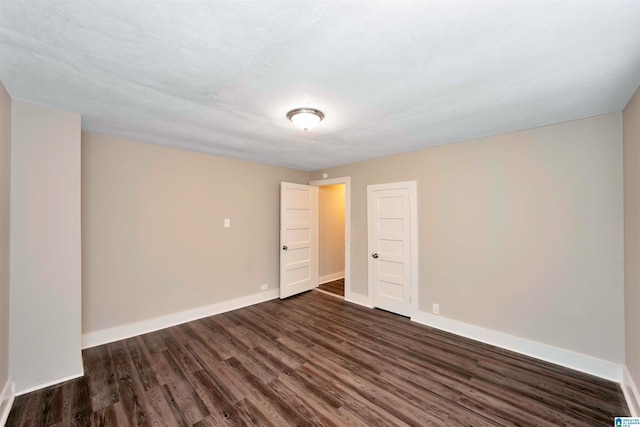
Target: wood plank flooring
[[334, 287], [315, 360]]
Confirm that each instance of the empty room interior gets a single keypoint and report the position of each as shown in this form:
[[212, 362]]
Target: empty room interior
[[354, 213]]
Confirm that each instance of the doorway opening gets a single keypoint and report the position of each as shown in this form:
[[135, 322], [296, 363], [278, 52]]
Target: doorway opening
[[334, 233]]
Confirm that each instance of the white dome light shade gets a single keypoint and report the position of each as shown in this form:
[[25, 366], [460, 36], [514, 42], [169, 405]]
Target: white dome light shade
[[305, 118]]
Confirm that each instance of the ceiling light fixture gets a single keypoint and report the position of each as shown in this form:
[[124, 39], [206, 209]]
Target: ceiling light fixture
[[305, 118]]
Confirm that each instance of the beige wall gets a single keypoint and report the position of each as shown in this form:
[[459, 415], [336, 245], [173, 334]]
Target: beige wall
[[520, 233], [153, 237], [45, 245], [5, 183], [331, 229], [631, 126]]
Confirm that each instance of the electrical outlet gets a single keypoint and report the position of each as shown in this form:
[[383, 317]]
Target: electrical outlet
[[264, 287], [436, 308], [227, 223]]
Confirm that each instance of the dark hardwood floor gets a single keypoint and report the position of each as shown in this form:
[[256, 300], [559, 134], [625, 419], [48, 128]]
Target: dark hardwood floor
[[336, 287], [316, 360]]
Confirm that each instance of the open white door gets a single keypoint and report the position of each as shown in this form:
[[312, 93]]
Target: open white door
[[298, 238], [390, 244]]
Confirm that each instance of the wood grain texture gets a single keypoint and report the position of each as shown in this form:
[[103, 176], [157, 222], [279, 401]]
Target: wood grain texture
[[335, 287], [316, 360]]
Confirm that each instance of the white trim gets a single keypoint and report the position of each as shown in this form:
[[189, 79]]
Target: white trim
[[413, 200], [579, 362], [7, 390], [48, 384], [412, 186], [330, 277], [630, 393], [6, 401], [105, 336], [346, 180], [365, 301]]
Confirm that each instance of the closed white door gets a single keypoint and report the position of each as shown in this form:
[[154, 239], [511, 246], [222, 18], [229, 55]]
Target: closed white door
[[390, 233], [298, 238]]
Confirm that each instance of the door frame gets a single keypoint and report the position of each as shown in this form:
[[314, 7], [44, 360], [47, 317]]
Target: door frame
[[346, 180], [413, 212]]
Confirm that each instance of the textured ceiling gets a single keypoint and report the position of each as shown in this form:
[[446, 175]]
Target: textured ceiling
[[390, 76]]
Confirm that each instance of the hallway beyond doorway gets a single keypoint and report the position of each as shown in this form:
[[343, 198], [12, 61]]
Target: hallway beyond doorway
[[335, 287]]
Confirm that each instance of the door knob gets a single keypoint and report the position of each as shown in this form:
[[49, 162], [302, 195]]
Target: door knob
[[284, 248], [375, 256]]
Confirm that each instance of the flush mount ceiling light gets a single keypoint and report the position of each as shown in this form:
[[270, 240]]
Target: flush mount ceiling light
[[305, 118]]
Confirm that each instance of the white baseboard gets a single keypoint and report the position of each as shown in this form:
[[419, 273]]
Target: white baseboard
[[6, 401], [331, 277], [358, 299], [48, 384], [630, 393], [579, 362], [117, 333]]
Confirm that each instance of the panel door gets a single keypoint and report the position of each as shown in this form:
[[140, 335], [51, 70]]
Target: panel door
[[390, 246], [298, 238]]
